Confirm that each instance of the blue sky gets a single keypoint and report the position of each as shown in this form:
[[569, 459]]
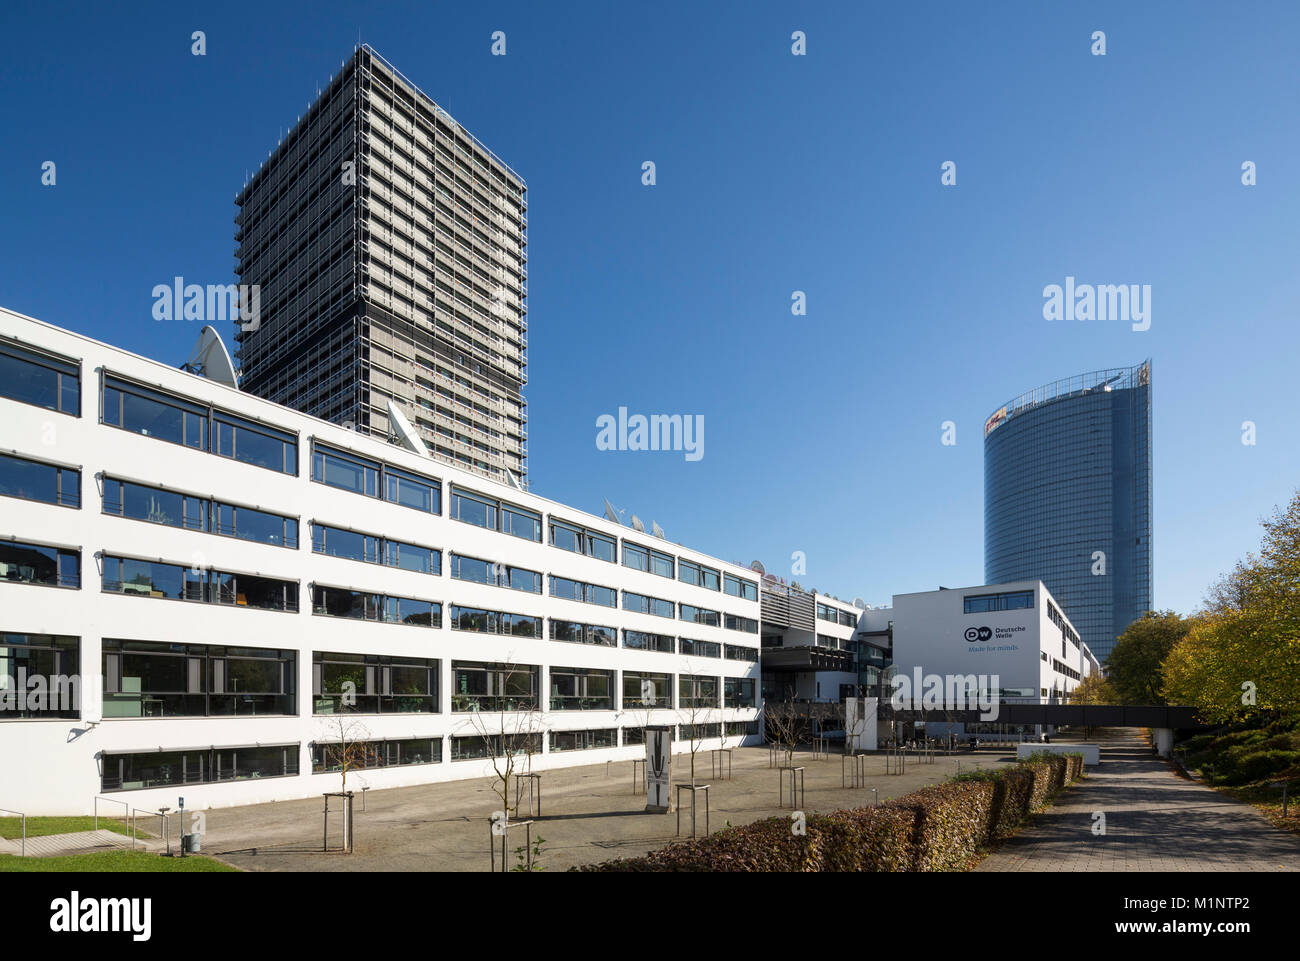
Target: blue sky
[[775, 173]]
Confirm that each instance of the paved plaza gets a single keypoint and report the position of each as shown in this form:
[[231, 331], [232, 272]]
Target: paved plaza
[[1154, 821]]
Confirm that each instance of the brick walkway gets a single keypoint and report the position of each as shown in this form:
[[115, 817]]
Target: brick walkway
[[1155, 821]]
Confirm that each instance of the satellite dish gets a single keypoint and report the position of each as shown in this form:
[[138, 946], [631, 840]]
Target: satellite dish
[[610, 513], [860, 604], [211, 359], [757, 567], [657, 531], [512, 480], [769, 579], [637, 525], [404, 432]]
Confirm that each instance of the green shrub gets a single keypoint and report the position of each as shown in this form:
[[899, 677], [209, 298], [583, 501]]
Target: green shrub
[[934, 829]]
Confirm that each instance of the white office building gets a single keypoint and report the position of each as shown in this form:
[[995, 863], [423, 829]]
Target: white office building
[[1013, 637], [233, 588]]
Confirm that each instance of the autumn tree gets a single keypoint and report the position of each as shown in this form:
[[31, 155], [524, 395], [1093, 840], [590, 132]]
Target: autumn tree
[[1134, 666], [1243, 656]]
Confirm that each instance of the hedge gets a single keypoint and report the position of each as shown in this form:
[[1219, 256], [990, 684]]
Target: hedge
[[937, 828]]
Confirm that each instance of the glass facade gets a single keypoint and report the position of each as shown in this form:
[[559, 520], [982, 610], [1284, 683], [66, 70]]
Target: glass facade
[[1067, 498]]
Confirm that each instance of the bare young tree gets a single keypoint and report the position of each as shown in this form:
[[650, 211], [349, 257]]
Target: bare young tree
[[783, 723], [345, 745], [692, 712], [505, 717]]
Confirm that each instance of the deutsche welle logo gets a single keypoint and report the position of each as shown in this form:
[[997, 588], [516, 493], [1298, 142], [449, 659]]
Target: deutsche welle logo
[[975, 635]]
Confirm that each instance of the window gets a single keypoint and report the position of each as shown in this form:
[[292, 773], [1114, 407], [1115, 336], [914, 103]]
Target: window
[[581, 540], [36, 481], [367, 606], [412, 557], [695, 690], [129, 772], [155, 679], [1009, 601], [580, 591], [584, 740], [740, 728], [248, 590], [409, 490], [39, 564], [647, 605], [372, 549], [479, 746], [739, 692], [827, 613], [43, 380], [190, 512], [155, 414], [734, 652], [692, 573], [639, 640], [739, 587], [255, 444], [350, 545], [735, 623], [643, 691], [479, 621], [700, 615], [848, 619], [478, 686], [54, 657], [495, 575], [373, 684], [124, 575], [494, 515], [699, 732], [336, 468], [327, 757], [699, 648], [583, 633], [581, 689]]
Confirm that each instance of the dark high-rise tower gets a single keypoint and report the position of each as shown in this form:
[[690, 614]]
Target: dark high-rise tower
[[390, 248], [1067, 497]]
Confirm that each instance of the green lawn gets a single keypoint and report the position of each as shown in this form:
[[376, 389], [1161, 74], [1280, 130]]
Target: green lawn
[[41, 827], [113, 861]]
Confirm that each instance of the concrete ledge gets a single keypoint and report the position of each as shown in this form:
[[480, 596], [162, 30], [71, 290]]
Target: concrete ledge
[[1091, 752]]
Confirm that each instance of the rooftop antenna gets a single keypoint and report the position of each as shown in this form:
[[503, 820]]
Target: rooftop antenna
[[210, 359], [512, 480], [400, 429], [611, 513], [658, 531], [637, 525], [859, 603]]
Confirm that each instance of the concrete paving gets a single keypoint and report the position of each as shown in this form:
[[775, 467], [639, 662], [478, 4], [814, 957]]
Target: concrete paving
[[588, 814], [77, 842], [1154, 821]]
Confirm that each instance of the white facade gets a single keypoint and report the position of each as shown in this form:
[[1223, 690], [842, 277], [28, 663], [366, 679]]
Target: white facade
[[54, 766], [1030, 646]]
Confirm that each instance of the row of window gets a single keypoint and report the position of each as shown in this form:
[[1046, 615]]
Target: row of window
[[34, 480], [826, 612], [1007, 601], [153, 679], [1066, 632], [153, 413]]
